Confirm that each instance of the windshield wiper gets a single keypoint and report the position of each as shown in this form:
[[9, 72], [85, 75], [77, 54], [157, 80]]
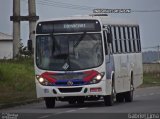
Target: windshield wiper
[[60, 55], [79, 40], [66, 65], [55, 44]]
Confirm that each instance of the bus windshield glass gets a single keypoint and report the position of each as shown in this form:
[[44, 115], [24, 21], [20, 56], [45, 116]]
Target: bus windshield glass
[[68, 52]]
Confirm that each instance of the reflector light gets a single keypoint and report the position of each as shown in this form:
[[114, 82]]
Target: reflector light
[[98, 89]]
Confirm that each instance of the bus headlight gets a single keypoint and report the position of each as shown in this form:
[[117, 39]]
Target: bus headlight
[[43, 81], [97, 78]]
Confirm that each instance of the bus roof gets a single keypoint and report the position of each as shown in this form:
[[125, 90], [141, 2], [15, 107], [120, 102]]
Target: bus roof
[[103, 19]]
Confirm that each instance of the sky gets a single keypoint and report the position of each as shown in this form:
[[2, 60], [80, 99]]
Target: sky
[[47, 9]]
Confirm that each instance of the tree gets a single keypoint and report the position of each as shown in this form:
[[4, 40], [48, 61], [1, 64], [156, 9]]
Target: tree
[[23, 51]]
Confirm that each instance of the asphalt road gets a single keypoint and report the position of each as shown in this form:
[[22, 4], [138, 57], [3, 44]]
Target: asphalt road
[[146, 100]]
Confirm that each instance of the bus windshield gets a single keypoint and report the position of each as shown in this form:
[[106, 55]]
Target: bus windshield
[[68, 52]]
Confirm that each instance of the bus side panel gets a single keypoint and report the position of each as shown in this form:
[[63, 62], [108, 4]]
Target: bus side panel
[[138, 70], [134, 64], [110, 69], [125, 69], [118, 76]]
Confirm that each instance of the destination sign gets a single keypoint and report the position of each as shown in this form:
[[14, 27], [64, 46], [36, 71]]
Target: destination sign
[[68, 26]]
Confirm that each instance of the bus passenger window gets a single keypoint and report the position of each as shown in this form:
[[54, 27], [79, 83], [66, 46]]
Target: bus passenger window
[[113, 40]]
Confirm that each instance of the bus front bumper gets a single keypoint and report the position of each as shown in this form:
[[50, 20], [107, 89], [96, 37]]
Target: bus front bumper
[[63, 91]]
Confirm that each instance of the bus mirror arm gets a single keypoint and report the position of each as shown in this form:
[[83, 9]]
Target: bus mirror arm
[[109, 53], [29, 45], [109, 40]]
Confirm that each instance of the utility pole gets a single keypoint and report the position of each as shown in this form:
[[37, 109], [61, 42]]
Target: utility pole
[[16, 27], [17, 18], [32, 22]]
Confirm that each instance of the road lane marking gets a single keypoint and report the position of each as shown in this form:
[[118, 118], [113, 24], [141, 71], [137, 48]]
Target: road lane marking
[[58, 113], [45, 116], [70, 111], [82, 108]]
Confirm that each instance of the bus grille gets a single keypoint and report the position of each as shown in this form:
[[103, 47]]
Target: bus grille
[[70, 90], [75, 83]]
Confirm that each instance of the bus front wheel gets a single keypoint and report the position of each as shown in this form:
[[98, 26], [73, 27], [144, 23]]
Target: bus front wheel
[[110, 99], [72, 101], [50, 102]]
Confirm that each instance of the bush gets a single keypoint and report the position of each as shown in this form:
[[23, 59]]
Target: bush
[[17, 80]]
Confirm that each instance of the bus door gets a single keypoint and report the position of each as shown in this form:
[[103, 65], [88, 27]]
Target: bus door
[[109, 60]]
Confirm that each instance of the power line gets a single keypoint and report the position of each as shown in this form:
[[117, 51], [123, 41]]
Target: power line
[[68, 4], [82, 7], [145, 11], [62, 5]]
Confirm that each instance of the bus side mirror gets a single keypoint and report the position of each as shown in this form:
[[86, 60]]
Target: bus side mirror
[[29, 45], [109, 38]]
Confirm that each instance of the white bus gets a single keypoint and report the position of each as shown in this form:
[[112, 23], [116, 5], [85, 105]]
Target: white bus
[[87, 58]]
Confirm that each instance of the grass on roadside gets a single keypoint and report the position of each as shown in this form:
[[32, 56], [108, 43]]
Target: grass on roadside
[[151, 79], [16, 80]]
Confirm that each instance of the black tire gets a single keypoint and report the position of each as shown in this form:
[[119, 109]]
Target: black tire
[[50, 102], [120, 97], [72, 102], [110, 99], [80, 101], [129, 95]]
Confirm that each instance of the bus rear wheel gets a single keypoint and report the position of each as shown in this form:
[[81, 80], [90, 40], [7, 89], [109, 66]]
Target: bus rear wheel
[[120, 97], [50, 102], [129, 95]]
